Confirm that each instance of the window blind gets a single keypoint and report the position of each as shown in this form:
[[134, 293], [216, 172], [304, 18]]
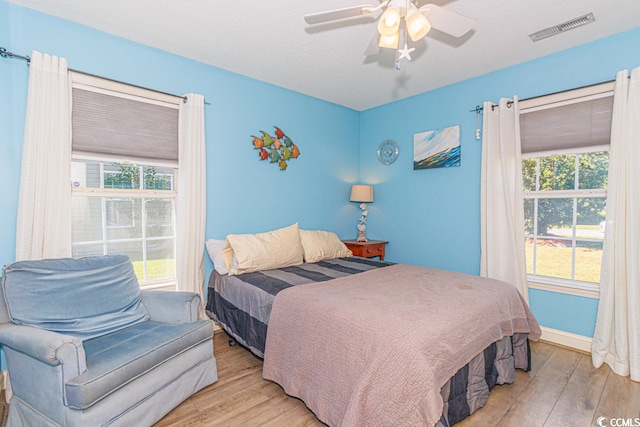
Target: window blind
[[577, 124], [123, 127]]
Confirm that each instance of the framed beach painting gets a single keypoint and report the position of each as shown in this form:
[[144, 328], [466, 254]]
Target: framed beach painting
[[438, 148]]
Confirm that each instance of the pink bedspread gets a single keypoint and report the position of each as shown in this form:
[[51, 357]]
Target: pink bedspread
[[374, 349]]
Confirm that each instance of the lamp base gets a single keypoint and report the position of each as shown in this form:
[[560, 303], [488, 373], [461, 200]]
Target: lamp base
[[361, 237]]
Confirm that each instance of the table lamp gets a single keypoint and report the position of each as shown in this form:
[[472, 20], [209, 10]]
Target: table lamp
[[362, 194]]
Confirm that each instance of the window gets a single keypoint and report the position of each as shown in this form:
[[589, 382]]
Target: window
[[124, 173], [565, 161], [564, 209]]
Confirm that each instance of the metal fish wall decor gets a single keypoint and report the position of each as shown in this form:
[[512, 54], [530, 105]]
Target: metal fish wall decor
[[278, 148]]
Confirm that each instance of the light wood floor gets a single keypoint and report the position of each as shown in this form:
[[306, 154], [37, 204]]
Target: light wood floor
[[563, 389]]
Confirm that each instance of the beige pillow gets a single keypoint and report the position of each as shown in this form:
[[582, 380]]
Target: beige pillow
[[228, 259], [319, 245], [263, 251]]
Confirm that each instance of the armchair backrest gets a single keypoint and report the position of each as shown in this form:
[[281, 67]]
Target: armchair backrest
[[84, 297]]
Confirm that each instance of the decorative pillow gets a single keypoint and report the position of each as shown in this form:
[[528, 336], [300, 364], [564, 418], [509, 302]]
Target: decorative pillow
[[214, 249], [319, 245], [264, 251], [85, 297]]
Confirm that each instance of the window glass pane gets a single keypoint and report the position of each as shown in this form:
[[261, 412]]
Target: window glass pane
[[529, 212], [588, 261], [124, 218], [558, 172], [591, 217], [528, 248], [121, 175], [555, 217], [160, 259], [87, 250], [133, 250], [85, 173], [159, 217], [593, 170], [86, 219], [553, 258], [158, 178], [529, 174]]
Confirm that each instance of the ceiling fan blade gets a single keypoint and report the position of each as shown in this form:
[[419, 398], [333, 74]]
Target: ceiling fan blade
[[332, 15], [447, 21], [373, 48]]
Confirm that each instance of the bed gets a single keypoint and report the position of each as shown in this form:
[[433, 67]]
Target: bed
[[371, 343], [242, 304]]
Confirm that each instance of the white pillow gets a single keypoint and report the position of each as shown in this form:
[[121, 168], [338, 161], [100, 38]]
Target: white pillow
[[214, 249], [264, 251], [319, 245]]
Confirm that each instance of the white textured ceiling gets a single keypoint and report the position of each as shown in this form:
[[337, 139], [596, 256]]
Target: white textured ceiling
[[269, 40]]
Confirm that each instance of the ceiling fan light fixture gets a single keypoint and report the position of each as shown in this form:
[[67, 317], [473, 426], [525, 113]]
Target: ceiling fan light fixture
[[417, 25], [389, 22], [390, 42]]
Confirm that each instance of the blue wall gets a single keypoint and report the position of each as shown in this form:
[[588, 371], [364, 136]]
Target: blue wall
[[430, 217], [244, 194]]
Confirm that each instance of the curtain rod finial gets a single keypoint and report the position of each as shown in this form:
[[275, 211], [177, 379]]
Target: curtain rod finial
[[6, 54]]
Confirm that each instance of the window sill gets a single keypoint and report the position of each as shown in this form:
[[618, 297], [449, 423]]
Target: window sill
[[569, 289]]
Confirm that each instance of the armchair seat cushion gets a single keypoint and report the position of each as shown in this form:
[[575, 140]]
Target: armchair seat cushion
[[117, 358]]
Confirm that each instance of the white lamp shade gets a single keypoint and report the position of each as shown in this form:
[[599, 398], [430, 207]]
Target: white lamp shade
[[417, 25], [361, 193], [390, 42], [389, 22]]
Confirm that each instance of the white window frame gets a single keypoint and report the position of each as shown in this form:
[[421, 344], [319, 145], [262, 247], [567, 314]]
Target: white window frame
[[570, 287], [113, 88]]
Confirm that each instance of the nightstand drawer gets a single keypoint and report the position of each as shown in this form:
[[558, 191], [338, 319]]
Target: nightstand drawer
[[368, 249], [373, 250]]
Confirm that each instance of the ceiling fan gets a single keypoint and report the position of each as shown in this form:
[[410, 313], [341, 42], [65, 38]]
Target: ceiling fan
[[418, 22]]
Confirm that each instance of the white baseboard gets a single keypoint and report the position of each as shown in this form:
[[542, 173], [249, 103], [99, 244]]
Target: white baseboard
[[566, 339]]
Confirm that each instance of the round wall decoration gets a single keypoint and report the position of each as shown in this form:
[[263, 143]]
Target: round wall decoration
[[387, 152]]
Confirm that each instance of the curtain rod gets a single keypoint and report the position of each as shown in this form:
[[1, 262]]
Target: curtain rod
[[5, 54], [184, 98], [478, 109]]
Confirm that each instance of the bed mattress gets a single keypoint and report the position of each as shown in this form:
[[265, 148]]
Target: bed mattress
[[242, 304]]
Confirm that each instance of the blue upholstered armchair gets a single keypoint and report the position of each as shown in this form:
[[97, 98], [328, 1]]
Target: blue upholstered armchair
[[86, 347]]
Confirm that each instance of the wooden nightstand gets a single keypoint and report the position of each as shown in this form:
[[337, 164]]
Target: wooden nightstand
[[368, 249]]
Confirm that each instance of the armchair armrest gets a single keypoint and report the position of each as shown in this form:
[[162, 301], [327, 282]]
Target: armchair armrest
[[171, 307], [48, 355], [48, 347]]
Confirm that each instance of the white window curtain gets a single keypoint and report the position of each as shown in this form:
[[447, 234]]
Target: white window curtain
[[502, 211], [616, 340], [191, 199], [43, 229]]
